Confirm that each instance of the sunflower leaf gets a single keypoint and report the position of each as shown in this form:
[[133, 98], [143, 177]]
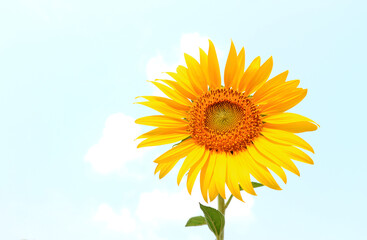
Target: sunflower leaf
[[254, 185], [174, 145], [196, 221], [214, 219]]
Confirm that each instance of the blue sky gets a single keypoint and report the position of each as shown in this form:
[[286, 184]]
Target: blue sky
[[69, 73]]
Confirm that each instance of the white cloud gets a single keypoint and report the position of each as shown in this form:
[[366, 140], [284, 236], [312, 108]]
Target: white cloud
[[238, 209], [189, 44], [158, 208], [165, 206], [154, 210], [117, 145], [118, 222], [195, 237], [156, 67]]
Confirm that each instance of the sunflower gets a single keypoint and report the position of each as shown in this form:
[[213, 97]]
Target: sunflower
[[229, 133]]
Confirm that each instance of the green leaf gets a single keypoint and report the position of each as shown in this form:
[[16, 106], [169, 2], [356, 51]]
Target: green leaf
[[196, 221], [174, 145], [254, 185], [214, 219]]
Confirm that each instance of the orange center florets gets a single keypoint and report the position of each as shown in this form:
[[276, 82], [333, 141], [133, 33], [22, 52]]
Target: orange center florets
[[224, 120]]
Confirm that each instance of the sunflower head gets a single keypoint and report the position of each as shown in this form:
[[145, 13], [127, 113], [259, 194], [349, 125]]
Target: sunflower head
[[224, 120], [232, 133]]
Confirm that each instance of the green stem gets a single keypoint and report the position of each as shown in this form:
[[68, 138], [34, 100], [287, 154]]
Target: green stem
[[228, 202], [222, 209]]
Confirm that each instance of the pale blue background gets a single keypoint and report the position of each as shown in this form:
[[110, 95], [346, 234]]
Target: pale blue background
[[65, 66]]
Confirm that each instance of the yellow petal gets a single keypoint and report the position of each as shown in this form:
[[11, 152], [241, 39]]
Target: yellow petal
[[296, 127], [219, 175], [259, 172], [194, 156], [204, 65], [287, 138], [206, 176], [287, 118], [167, 101], [172, 94], [181, 89], [274, 153], [290, 122], [162, 121], [263, 160], [184, 72], [260, 77], [249, 74], [231, 66], [271, 84], [278, 107], [164, 109], [277, 93], [240, 70], [244, 174], [213, 192], [195, 73], [163, 131], [167, 167], [194, 171], [298, 155], [210, 169], [161, 140], [204, 191], [183, 80], [177, 152], [213, 68], [232, 177], [160, 167]]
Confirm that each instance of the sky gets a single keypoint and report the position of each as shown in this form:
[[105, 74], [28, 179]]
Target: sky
[[69, 74]]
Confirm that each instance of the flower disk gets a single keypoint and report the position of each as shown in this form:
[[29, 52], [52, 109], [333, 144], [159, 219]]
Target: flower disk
[[224, 120], [228, 131]]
